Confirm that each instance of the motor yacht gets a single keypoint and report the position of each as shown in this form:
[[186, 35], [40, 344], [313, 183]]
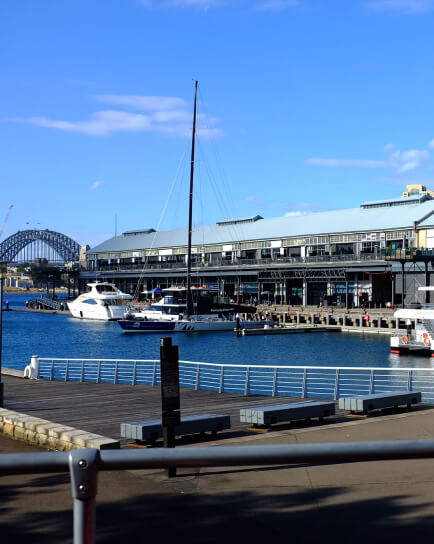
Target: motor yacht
[[102, 301]]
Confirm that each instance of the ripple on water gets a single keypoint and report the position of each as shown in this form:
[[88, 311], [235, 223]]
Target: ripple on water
[[47, 335]]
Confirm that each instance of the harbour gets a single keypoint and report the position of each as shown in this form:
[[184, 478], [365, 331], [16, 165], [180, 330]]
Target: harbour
[[217, 272], [51, 335]]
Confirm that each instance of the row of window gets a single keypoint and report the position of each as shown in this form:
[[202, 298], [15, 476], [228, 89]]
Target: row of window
[[309, 241]]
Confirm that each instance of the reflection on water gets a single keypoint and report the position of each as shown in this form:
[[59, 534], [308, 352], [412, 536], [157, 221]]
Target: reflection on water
[[47, 335], [410, 361]]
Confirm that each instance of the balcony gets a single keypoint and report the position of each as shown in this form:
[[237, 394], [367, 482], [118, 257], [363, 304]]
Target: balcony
[[239, 263]]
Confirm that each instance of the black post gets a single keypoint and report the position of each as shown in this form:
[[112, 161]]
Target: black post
[[190, 208], [427, 284], [170, 397], [403, 283]]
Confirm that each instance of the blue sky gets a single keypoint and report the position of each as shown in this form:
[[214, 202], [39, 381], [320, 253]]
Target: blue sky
[[304, 105]]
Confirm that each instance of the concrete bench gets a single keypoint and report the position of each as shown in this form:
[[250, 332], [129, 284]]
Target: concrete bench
[[365, 403], [267, 415], [151, 429]]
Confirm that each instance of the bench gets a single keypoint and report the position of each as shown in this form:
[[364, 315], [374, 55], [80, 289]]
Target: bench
[[267, 415], [365, 403], [150, 430]]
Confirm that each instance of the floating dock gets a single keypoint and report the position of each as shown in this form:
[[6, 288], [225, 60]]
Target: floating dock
[[285, 330]]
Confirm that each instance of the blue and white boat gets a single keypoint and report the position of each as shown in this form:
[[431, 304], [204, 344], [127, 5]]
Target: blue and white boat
[[170, 314]]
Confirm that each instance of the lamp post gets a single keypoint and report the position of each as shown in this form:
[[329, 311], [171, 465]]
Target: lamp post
[[3, 272]]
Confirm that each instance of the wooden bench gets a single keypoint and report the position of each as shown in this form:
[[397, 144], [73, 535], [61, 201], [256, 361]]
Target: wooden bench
[[366, 403], [150, 430], [267, 415]]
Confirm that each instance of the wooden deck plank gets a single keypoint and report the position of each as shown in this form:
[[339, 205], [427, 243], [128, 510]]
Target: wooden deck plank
[[101, 408]]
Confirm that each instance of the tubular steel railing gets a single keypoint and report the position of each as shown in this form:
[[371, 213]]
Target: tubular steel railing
[[289, 381], [84, 465]]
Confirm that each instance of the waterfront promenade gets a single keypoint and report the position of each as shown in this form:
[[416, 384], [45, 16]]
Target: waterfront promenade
[[387, 501]]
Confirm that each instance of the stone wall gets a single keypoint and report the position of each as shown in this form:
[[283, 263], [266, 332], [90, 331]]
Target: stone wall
[[53, 436]]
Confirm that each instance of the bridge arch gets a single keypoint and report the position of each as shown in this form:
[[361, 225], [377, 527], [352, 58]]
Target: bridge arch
[[63, 245]]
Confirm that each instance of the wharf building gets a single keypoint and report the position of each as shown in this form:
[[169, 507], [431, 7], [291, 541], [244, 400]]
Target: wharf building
[[376, 254]]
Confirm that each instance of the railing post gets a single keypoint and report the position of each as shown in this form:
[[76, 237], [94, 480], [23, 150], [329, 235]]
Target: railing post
[[197, 378], [115, 377], [336, 384], [52, 370], [82, 371], [372, 382], [98, 376], [67, 371], [410, 380], [134, 373], [274, 382], [154, 374], [246, 386], [221, 379], [83, 470], [304, 384]]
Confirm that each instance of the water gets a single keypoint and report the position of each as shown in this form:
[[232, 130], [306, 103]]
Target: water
[[49, 335]]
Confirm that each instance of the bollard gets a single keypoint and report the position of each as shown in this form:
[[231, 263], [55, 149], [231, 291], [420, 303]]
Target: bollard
[[32, 370]]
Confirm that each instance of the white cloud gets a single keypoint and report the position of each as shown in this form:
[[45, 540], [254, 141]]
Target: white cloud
[[100, 123], [145, 103], [361, 163], [200, 4], [203, 4], [96, 185], [404, 161], [431, 144], [164, 115], [389, 147], [400, 161], [277, 5], [401, 6]]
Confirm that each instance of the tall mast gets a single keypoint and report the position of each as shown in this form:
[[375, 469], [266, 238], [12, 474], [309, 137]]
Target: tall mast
[[190, 208]]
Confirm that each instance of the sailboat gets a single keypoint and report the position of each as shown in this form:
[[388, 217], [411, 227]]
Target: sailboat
[[190, 309]]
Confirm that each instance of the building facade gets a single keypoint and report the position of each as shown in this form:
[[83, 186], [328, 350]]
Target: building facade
[[350, 257]]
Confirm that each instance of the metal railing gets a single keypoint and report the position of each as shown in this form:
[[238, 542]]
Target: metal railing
[[238, 262], [84, 464], [289, 381], [49, 303]]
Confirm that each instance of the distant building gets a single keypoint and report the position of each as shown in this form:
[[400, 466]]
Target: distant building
[[414, 190], [336, 255]]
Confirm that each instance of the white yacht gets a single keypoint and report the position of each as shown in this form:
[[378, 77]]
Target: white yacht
[[421, 338], [102, 301]]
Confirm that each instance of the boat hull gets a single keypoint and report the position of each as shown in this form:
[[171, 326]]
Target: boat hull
[[97, 312], [132, 326]]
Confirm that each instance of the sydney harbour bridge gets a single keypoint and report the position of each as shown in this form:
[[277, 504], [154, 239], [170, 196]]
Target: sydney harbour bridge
[[35, 244]]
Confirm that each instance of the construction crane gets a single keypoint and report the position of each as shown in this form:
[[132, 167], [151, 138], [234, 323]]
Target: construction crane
[[6, 219]]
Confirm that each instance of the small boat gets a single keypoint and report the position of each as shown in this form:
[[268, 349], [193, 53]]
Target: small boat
[[421, 338], [103, 301]]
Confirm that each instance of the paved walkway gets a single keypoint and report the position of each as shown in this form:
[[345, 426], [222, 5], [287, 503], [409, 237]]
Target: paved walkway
[[387, 501]]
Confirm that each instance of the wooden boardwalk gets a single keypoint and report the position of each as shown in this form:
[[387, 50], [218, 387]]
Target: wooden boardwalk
[[101, 408]]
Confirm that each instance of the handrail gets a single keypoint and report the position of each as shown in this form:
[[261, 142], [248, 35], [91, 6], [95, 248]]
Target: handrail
[[298, 367], [84, 464], [277, 380]]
